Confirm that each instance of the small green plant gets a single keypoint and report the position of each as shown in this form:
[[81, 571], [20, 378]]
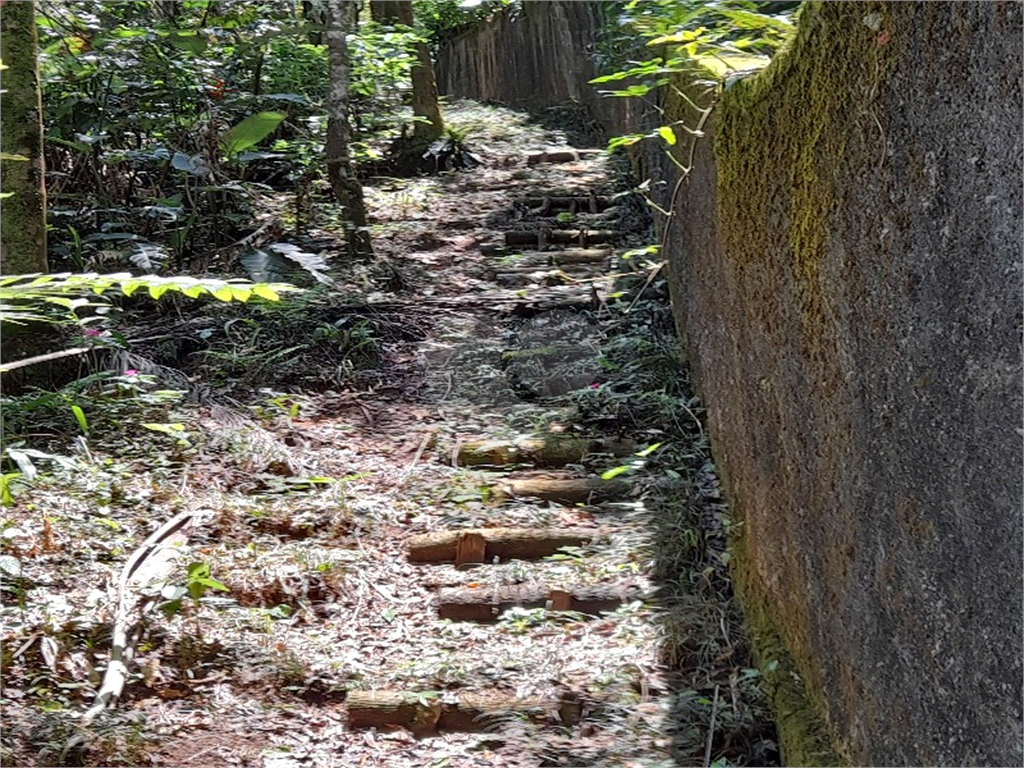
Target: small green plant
[[197, 582]]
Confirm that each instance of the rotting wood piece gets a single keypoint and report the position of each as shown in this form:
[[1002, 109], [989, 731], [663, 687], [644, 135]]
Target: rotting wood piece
[[485, 605], [503, 543], [428, 713], [593, 203], [561, 236], [545, 451], [572, 490], [561, 155]]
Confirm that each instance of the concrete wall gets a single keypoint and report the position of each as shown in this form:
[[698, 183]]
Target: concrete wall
[[846, 266], [537, 55], [846, 270]]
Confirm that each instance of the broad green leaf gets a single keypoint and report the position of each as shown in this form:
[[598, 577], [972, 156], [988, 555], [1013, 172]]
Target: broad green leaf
[[265, 292], [751, 20], [686, 36], [667, 134], [188, 41], [198, 571], [212, 584], [6, 481], [250, 131], [649, 450], [224, 294], [156, 291]]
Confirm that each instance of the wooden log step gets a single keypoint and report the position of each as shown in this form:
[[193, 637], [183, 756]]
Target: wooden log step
[[555, 275], [482, 545], [592, 203], [417, 712], [534, 259], [544, 451], [551, 277], [529, 269], [562, 236], [561, 155], [571, 490], [580, 256], [492, 248], [563, 258], [429, 712], [487, 604]]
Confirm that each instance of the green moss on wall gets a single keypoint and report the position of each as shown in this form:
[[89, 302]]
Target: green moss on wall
[[782, 139], [797, 706]]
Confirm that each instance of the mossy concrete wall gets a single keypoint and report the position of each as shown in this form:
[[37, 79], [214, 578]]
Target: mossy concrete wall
[[846, 270]]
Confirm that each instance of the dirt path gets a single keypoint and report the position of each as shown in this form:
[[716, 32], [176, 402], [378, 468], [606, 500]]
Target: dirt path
[[470, 592]]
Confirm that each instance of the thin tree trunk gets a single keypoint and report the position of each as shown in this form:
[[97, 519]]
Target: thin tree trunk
[[425, 104], [347, 189], [23, 214]]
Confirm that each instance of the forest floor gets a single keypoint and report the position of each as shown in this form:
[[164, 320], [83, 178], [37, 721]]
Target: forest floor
[[476, 387]]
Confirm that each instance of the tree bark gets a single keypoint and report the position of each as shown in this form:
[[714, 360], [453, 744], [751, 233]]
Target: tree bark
[[347, 189], [23, 215], [388, 12]]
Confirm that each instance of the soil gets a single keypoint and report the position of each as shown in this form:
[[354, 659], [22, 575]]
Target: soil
[[305, 501]]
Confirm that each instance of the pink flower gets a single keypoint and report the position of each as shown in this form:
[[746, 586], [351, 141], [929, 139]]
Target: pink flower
[[131, 372], [91, 332]]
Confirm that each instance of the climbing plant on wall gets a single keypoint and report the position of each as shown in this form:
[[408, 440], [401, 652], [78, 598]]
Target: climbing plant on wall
[[717, 41]]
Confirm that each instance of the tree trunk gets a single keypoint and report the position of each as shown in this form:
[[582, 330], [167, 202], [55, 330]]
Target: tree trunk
[[316, 20], [23, 215], [425, 104], [348, 191], [387, 12]]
